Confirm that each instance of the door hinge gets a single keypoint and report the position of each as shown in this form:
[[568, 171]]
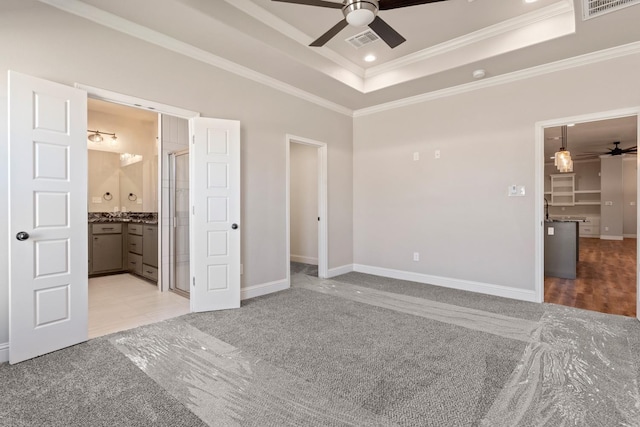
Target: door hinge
[[193, 139], [175, 222], [318, 218], [194, 282], [193, 210]]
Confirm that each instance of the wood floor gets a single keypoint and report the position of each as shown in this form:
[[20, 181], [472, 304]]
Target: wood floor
[[606, 279], [123, 301]]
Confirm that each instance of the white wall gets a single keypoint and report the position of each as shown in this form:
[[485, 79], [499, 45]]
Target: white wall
[[454, 210], [304, 203], [48, 43]]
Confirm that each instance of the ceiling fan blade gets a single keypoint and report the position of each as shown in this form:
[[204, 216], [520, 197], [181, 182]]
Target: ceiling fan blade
[[330, 34], [319, 3], [630, 149], [386, 33], [396, 4]]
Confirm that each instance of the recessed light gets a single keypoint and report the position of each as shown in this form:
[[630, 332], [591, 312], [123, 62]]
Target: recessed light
[[370, 58], [530, 1]]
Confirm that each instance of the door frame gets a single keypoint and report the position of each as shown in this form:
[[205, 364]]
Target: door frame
[[144, 104], [323, 226], [539, 190]]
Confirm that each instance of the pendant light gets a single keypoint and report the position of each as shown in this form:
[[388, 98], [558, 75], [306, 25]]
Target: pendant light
[[562, 158]]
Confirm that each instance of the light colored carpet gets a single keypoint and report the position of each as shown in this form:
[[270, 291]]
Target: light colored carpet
[[355, 350]]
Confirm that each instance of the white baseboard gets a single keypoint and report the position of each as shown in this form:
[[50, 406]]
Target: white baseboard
[[446, 282], [263, 289], [604, 237], [343, 269], [4, 352], [630, 236], [304, 259]]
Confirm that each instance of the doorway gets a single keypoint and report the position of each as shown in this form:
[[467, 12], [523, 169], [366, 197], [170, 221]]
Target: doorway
[[306, 240], [587, 245], [124, 204]]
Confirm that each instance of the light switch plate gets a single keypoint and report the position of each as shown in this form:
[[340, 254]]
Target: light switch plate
[[551, 231], [416, 156], [516, 190], [96, 200]]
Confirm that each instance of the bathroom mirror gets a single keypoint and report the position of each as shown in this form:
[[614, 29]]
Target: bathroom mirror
[[122, 182]]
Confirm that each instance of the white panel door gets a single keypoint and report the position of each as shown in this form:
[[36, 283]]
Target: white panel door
[[215, 230], [47, 216]]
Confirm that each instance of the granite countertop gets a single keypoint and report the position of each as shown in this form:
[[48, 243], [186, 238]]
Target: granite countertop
[[132, 217], [568, 218]]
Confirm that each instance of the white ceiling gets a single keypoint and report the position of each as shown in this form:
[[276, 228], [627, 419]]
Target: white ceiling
[[446, 41]]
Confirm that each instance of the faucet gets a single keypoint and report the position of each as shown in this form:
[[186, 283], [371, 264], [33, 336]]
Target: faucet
[[546, 209]]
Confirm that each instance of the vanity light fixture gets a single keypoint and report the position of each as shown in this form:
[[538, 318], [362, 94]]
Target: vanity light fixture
[[562, 158], [96, 136]]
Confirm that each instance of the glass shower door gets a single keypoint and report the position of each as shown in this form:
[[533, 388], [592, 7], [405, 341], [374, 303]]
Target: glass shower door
[[180, 208]]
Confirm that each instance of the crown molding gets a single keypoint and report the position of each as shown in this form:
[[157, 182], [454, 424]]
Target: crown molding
[[267, 18], [522, 21], [565, 64], [109, 20]]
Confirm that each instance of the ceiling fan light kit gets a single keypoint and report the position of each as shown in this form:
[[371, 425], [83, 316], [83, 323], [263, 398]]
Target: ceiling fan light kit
[[361, 13]]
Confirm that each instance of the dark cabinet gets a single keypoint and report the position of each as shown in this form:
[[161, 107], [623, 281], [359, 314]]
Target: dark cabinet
[[150, 252], [106, 248], [142, 250]]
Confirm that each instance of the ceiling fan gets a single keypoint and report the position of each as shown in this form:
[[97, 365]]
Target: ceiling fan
[[361, 13], [616, 151]]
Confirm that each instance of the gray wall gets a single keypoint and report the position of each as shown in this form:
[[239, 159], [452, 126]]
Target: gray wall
[[630, 196], [611, 216], [47, 43], [304, 203], [455, 210]]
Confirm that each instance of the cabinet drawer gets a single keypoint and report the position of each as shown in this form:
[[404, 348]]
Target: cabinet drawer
[[588, 230], [150, 272], [135, 263], [135, 244], [106, 228], [135, 229]]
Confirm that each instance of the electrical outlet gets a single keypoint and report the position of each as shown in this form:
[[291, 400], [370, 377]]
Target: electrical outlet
[[416, 256], [606, 229], [436, 154]]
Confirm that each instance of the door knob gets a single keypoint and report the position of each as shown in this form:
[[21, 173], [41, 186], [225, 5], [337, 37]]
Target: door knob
[[23, 235], [234, 226]]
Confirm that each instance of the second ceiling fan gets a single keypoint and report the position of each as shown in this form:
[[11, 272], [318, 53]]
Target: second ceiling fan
[[360, 13]]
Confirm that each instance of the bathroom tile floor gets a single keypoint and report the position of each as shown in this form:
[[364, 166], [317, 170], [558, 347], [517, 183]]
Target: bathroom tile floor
[[123, 301]]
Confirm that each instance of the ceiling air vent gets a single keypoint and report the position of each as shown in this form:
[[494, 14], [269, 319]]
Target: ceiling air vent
[[365, 38], [593, 8]]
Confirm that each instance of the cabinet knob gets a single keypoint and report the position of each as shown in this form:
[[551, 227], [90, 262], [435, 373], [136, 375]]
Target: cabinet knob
[[22, 236], [234, 226]]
